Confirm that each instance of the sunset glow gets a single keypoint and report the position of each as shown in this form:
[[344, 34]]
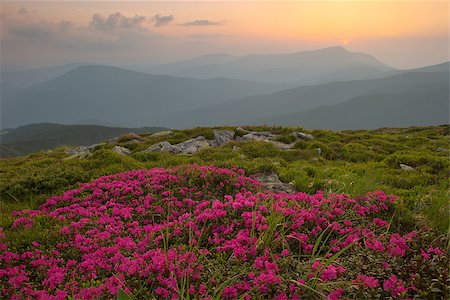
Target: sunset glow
[[239, 28]]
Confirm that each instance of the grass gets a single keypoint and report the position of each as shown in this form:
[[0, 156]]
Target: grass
[[352, 162]]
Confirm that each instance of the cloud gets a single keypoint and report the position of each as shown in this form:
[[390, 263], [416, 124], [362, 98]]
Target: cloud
[[118, 21], [203, 22], [160, 20], [22, 11]]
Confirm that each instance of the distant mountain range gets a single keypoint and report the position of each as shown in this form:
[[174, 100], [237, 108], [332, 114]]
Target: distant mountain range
[[36, 137], [271, 109], [331, 84], [307, 67]]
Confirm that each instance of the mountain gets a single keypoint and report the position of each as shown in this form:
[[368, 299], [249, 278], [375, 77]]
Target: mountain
[[23, 78], [425, 107], [36, 137], [306, 67], [255, 109], [119, 96]]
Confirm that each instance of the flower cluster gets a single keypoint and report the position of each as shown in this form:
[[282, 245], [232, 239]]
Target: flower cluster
[[209, 232]]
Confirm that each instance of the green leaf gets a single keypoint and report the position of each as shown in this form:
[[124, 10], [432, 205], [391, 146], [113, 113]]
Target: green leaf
[[121, 295]]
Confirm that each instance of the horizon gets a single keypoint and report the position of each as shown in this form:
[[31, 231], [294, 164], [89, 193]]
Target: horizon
[[403, 35]]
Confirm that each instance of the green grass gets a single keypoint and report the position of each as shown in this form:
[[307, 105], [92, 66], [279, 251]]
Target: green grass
[[352, 162]]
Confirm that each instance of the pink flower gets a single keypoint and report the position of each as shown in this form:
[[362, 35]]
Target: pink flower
[[367, 281]]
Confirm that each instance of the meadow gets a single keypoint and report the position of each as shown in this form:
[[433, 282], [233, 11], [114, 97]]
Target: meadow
[[186, 231]]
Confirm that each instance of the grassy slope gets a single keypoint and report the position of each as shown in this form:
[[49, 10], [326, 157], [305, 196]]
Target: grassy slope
[[352, 162], [44, 136]]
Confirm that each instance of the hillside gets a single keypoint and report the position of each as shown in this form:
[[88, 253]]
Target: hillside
[[119, 96], [424, 107], [266, 108], [251, 207], [45, 136]]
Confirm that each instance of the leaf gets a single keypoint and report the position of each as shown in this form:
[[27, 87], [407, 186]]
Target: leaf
[[121, 295]]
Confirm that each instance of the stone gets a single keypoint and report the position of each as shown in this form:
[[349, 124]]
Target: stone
[[190, 146], [125, 138], [93, 146], [162, 146], [272, 183], [163, 133], [241, 130], [121, 150], [302, 135], [259, 136], [442, 150], [406, 167], [223, 136], [78, 152]]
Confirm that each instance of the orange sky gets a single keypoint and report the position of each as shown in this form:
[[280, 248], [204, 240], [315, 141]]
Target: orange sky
[[384, 28]]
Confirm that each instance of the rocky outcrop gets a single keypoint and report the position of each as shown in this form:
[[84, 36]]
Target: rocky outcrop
[[162, 146], [259, 136], [190, 146], [274, 184], [302, 135], [121, 150], [187, 147], [79, 152], [162, 133], [223, 136]]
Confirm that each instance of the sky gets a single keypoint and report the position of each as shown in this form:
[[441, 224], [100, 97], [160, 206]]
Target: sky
[[403, 34]]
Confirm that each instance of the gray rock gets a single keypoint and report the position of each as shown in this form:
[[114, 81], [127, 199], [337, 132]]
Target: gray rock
[[126, 136], [406, 167], [223, 136], [121, 150], [274, 184], [163, 133], [78, 152], [302, 135], [190, 146], [259, 136], [162, 146], [442, 150], [241, 130], [93, 146], [319, 151]]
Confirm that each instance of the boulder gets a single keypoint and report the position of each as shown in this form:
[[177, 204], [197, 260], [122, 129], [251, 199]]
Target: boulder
[[223, 136], [302, 135], [406, 167], [126, 138], [121, 150], [190, 146], [259, 136], [162, 146], [274, 184], [78, 152]]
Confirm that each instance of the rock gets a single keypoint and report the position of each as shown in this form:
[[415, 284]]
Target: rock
[[259, 136], [241, 130], [406, 167], [302, 135], [121, 150], [162, 146], [78, 152], [190, 146], [442, 150], [319, 151], [93, 146], [239, 139], [162, 133], [223, 136], [273, 183], [125, 138]]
